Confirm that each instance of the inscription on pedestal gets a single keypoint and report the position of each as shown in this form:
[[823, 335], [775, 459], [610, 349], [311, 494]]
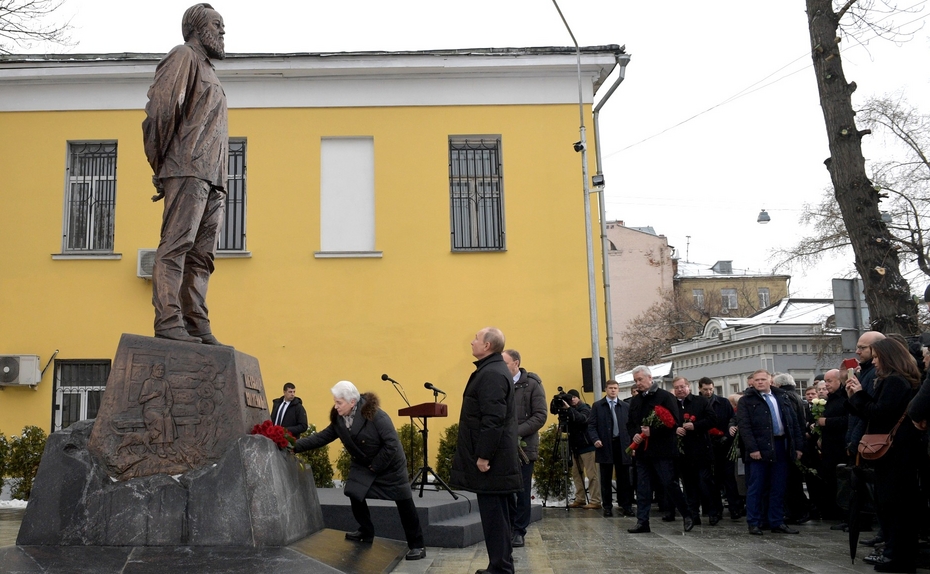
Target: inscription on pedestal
[[170, 407]]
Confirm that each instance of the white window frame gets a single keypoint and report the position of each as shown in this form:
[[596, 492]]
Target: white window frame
[[729, 298]]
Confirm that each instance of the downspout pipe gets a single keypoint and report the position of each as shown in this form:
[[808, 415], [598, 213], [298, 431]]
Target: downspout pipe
[[622, 61]]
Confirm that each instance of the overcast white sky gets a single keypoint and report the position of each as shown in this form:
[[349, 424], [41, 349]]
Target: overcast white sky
[[706, 178]]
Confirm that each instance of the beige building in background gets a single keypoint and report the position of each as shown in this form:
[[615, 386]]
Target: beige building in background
[[641, 269]]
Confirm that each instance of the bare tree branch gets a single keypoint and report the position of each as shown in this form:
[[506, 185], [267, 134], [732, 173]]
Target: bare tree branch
[[24, 23]]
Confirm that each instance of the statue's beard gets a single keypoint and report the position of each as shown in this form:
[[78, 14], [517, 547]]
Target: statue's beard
[[213, 43]]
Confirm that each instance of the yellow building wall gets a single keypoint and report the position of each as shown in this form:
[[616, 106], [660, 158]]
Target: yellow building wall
[[411, 314]]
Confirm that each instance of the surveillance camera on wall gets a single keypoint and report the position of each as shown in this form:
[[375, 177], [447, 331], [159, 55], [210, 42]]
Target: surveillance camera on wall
[[578, 146]]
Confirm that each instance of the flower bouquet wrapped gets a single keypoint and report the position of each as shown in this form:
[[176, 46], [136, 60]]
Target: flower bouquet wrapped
[[817, 408], [659, 417]]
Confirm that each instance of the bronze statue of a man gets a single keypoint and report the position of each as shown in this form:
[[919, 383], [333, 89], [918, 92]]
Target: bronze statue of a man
[[187, 143]]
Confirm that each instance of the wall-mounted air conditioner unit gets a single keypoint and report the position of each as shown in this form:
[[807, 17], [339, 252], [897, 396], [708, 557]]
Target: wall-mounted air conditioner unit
[[144, 263], [19, 370]]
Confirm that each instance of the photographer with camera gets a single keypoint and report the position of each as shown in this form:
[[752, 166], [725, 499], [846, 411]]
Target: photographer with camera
[[573, 417]]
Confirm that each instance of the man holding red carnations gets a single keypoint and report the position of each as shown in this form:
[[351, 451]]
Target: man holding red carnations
[[657, 447]]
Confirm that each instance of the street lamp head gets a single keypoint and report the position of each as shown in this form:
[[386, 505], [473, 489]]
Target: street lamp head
[[763, 217]]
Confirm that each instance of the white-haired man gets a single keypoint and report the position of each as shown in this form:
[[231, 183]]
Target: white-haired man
[[657, 448]]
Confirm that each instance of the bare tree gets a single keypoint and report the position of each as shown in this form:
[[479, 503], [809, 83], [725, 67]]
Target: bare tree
[[886, 292], [903, 184], [24, 23]]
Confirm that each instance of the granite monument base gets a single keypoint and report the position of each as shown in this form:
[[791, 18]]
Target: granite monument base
[[255, 495]]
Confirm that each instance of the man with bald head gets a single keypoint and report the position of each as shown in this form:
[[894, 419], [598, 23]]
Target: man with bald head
[[833, 424], [186, 138], [866, 376], [486, 460]]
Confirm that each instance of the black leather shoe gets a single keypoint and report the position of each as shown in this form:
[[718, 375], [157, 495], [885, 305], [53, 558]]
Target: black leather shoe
[[871, 542], [785, 529], [416, 554], [714, 520], [359, 536], [736, 514], [755, 530], [517, 541], [640, 528], [841, 526], [689, 524], [668, 518], [608, 512], [628, 511]]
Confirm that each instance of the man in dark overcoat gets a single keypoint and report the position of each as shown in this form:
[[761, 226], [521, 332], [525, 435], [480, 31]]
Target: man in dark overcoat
[[772, 439], [486, 460], [379, 466], [695, 464], [833, 426], [530, 408], [608, 432], [655, 457], [288, 411]]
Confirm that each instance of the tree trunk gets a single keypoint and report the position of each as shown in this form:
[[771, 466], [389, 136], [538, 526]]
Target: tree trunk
[[891, 308]]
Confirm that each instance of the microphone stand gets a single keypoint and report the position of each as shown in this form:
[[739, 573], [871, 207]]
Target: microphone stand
[[422, 475]]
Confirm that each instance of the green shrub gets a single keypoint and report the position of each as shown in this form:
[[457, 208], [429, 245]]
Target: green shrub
[[342, 464], [549, 477], [25, 453], [412, 448], [318, 460], [446, 452], [4, 458]]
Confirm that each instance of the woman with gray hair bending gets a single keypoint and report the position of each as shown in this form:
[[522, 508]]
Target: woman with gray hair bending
[[379, 466]]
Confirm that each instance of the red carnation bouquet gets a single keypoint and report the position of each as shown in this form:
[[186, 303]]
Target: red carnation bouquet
[[278, 434], [716, 433], [659, 417]]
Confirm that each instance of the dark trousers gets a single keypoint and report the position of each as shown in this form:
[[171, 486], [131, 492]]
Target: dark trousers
[[495, 522], [698, 480], [662, 471], [762, 477], [194, 213], [897, 503], [796, 503], [624, 488], [725, 475], [408, 519], [518, 505]]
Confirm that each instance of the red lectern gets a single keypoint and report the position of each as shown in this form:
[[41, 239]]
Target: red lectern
[[424, 412]]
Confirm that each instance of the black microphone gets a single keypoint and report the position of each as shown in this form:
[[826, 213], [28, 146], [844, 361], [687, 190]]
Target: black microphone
[[387, 378], [432, 388]]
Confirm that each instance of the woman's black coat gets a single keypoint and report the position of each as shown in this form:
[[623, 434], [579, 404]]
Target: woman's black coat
[[379, 466]]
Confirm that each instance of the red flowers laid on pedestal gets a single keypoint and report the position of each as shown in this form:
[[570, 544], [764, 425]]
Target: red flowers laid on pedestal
[[278, 434]]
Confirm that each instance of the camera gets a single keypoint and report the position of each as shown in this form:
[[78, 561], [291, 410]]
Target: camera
[[556, 407], [578, 146]]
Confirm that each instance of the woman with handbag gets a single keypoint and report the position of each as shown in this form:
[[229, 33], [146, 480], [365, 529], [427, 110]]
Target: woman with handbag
[[896, 486]]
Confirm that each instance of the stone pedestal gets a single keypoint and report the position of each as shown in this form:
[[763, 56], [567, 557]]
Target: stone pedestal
[[171, 407], [169, 461]]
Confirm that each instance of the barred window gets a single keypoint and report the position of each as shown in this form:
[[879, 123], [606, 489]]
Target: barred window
[[79, 386], [90, 198], [232, 236], [475, 189]]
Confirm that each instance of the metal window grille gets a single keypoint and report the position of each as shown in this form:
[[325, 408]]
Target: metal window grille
[[232, 236], [90, 197], [79, 387], [475, 190]]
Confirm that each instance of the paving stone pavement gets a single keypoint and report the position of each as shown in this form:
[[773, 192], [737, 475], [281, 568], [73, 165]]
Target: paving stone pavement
[[584, 542]]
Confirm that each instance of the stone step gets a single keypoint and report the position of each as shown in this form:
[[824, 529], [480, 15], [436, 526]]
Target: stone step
[[446, 522]]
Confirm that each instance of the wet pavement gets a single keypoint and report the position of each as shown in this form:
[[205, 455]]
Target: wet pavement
[[585, 542]]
